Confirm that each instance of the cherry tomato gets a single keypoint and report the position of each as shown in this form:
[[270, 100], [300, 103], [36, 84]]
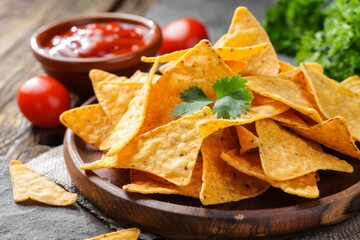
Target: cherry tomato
[[182, 33], [42, 99]]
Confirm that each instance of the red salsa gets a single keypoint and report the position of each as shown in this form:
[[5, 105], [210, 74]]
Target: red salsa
[[98, 40]]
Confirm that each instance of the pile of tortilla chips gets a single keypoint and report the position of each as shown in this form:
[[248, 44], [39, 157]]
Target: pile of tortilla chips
[[295, 113]]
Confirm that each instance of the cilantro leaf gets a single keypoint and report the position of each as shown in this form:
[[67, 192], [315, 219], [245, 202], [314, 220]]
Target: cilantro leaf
[[232, 98], [194, 100]]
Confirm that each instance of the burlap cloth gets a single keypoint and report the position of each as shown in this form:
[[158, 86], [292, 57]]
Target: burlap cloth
[[51, 164]]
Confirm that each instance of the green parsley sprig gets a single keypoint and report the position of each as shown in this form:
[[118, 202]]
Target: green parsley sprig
[[232, 99]]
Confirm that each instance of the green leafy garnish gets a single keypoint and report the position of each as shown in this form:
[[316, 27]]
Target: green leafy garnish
[[232, 99], [322, 31], [194, 100], [336, 47], [287, 21]]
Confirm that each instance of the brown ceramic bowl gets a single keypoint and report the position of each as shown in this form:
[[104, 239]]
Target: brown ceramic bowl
[[73, 72]]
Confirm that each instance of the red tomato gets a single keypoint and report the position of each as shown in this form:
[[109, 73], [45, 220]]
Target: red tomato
[[42, 99], [181, 34]]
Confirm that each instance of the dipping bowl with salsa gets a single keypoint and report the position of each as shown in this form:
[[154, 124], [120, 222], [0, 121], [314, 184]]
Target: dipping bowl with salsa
[[113, 42]]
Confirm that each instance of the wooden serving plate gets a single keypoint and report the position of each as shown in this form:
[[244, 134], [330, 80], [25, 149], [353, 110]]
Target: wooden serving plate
[[272, 214]]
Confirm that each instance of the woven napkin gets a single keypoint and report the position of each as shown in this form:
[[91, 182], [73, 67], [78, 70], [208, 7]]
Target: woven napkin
[[51, 164]]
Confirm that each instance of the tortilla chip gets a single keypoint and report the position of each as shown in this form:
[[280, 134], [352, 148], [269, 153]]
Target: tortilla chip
[[27, 184], [200, 66], [124, 234], [142, 77], [333, 99], [285, 67], [267, 110], [226, 53], [97, 76], [243, 52], [286, 156], [284, 91], [130, 123], [245, 31], [250, 164], [89, 122], [168, 57], [165, 67], [169, 151], [296, 75], [332, 133], [237, 66], [248, 141], [142, 183], [221, 182], [115, 96], [290, 118], [352, 83]]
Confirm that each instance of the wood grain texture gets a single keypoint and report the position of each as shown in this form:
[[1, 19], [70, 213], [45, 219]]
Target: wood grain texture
[[272, 214], [18, 20]]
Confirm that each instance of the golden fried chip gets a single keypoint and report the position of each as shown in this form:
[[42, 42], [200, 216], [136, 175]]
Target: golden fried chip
[[201, 66], [352, 83], [270, 109], [165, 67], [169, 151], [168, 57], [250, 164], [130, 123], [233, 56], [238, 53], [115, 96], [290, 118], [27, 184], [97, 76], [142, 183], [142, 77], [237, 66], [285, 67], [332, 133], [124, 234], [284, 91], [286, 156], [88, 122], [245, 31], [296, 75], [221, 182], [333, 99], [248, 141], [226, 53]]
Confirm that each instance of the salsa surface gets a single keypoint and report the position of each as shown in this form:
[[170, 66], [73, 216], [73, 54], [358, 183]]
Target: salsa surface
[[98, 40]]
